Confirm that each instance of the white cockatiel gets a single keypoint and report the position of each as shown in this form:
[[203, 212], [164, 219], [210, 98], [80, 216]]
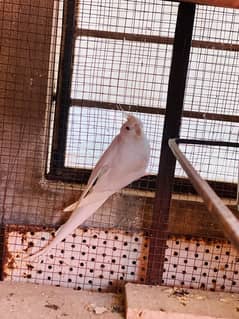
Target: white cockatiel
[[124, 161]]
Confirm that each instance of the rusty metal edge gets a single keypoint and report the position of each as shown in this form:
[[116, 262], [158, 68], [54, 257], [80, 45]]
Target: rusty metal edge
[[123, 36], [153, 110]]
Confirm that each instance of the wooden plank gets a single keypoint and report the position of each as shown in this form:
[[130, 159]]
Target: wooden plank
[[217, 3]]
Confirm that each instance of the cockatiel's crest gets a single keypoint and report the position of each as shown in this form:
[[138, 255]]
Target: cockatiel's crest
[[131, 119], [138, 126], [124, 161], [133, 125]]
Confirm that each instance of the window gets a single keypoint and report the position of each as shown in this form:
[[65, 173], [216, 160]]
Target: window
[[117, 55]]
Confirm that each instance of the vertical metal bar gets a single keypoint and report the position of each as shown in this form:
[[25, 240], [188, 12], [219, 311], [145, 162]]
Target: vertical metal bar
[[175, 98], [63, 88]]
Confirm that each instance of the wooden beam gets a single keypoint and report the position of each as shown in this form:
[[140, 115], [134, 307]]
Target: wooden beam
[[217, 3]]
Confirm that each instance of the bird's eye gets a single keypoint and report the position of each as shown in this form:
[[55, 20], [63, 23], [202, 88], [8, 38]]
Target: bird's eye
[[127, 128]]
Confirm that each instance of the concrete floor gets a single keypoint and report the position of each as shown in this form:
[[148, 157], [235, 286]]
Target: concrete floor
[[29, 301], [158, 302]]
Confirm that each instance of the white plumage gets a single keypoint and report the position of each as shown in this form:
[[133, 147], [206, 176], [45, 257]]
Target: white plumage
[[124, 161]]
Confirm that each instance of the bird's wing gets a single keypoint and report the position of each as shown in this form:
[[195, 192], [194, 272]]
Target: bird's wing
[[89, 187], [101, 167], [105, 159]]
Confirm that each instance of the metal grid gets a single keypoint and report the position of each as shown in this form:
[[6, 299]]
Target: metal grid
[[146, 18], [88, 259], [103, 260], [199, 263], [212, 87], [121, 65], [122, 57], [214, 162]]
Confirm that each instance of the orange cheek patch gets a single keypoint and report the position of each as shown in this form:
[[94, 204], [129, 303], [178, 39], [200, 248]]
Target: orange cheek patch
[[137, 130]]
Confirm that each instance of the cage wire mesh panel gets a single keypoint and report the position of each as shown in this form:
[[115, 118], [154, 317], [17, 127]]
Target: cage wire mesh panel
[[119, 71], [29, 41], [212, 90], [210, 97], [104, 260], [28, 198], [90, 258], [122, 55]]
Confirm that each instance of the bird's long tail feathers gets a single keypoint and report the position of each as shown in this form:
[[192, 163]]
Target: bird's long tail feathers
[[85, 209]]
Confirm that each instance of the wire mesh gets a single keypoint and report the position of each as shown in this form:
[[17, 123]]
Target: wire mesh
[[104, 260], [29, 42], [146, 18], [112, 246], [212, 87]]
